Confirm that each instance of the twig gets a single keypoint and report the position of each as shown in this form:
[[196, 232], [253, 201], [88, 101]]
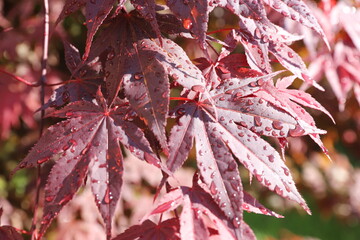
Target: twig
[[42, 83], [19, 79]]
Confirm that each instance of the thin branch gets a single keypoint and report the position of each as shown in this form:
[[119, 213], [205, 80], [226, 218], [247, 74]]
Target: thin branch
[[20, 79], [42, 83]]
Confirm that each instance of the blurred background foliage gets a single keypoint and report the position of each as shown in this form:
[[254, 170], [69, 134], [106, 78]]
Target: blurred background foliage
[[331, 188]]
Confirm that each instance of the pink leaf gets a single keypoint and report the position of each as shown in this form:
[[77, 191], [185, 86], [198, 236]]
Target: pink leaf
[[297, 11], [252, 205]]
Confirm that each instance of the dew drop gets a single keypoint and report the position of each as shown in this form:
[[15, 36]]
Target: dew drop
[[278, 190], [285, 14], [201, 153], [257, 33], [232, 166], [72, 142], [175, 76], [290, 54], [66, 147], [268, 129], [49, 198], [267, 182], [187, 23], [236, 222], [264, 211], [257, 121], [107, 197], [138, 76], [213, 188], [286, 171], [235, 185], [297, 131], [287, 188], [245, 207], [42, 160], [198, 88], [276, 5], [259, 177], [265, 39], [252, 84], [243, 124], [110, 55], [271, 158], [65, 96], [277, 125]]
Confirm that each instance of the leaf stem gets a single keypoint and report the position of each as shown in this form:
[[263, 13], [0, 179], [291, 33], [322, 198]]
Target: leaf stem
[[180, 98], [219, 30]]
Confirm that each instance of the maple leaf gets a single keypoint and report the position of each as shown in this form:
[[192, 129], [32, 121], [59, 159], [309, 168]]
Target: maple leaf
[[147, 9], [225, 67], [258, 43], [165, 230], [87, 144], [134, 59], [290, 100], [340, 68], [197, 205], [253, 10], [252, 205], [96, 13], [194, 15], [241, 118], [298, 11], [84, 86]]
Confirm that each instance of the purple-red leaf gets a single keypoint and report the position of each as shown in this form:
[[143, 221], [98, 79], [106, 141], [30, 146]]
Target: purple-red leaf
[[165, 230], [181, 138], [9, 233], [194, 15], [134, 58], [84, 86], [87, 142], [147, 9], [70, 7], [96, 12], [197, 206]]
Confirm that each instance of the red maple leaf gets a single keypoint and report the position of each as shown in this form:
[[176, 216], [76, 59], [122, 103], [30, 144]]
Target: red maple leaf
[[87, 144]]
